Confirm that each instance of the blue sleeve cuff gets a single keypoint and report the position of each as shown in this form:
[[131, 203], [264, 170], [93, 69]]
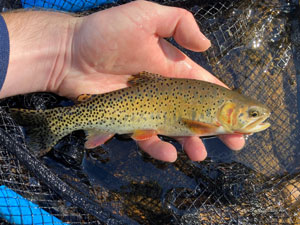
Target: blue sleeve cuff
[[4, 50]]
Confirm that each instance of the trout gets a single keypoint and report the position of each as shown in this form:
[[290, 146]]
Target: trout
[[151, 105]]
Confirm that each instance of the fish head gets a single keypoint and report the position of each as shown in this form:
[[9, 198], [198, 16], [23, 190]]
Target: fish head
[[244, 116]]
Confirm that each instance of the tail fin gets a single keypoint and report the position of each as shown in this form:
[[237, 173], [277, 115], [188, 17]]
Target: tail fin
[[39, 136]]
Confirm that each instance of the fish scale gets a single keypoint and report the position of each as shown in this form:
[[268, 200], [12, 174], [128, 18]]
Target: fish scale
[[152, 104]]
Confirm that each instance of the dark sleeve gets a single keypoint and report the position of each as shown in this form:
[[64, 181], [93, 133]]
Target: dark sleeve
[[4, 50]]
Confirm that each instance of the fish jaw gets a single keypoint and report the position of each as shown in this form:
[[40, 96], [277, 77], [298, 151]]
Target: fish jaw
[[259, 127], [256, 126]]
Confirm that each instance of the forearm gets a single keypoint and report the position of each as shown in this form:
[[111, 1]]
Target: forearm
[[38, 44]]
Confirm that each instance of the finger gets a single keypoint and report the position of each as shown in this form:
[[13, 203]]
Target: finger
[[176, 22], [159, 149], [179, 65], [194, 148], [233, 141], [181, 24]]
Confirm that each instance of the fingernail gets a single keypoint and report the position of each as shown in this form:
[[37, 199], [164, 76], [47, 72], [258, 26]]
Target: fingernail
[[209, 43], [203, 37]]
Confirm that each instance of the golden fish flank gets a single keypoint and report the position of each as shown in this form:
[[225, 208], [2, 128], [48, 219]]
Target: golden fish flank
[[151, 105]]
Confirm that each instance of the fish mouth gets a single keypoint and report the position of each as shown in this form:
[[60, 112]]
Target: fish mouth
[[257, 125]]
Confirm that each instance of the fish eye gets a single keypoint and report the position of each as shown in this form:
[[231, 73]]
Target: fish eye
[[253, 113]]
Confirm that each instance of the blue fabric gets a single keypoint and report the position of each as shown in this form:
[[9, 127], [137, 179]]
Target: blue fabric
[[17, 210], [70, 5], [4, 50]]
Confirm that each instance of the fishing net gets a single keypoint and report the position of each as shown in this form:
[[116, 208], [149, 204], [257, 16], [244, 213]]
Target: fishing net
[[255, 49]]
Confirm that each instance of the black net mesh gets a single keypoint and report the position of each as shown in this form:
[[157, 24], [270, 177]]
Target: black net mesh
[[255, 49]]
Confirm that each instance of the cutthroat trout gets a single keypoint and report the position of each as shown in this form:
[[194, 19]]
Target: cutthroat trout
[[152, 104]]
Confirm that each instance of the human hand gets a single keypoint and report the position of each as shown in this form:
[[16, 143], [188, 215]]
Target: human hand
[[110, 45], [51, 51]]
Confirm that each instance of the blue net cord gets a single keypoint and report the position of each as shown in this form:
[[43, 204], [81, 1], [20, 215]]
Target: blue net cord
[[17, 210], [69, 5]]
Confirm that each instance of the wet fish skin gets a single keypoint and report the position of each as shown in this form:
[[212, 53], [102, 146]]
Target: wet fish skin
[[152, 104]]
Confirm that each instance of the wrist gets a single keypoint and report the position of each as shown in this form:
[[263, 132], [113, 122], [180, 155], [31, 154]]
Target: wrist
[[39, 42]]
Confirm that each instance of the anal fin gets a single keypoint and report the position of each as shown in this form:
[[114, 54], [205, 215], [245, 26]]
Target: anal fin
[[142, 135], [96, 138]]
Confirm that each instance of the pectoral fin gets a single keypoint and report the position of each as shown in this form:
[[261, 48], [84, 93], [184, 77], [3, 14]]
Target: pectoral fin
[[96, 138], [142, 135], [201, 128]]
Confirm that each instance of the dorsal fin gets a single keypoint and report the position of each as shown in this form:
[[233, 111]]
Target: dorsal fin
[[144, 77], [237, 90]]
